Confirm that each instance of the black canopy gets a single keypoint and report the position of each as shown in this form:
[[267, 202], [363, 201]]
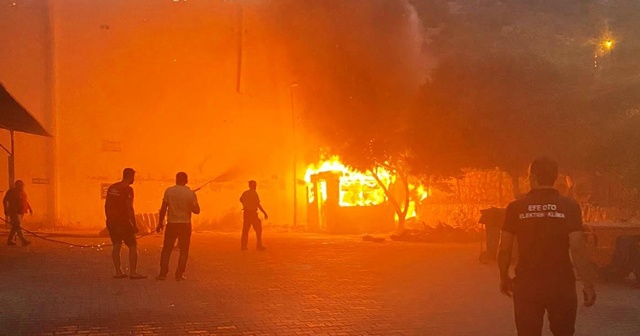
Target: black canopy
[[14, 117]]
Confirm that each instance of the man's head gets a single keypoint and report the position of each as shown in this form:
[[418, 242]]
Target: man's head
[[182, 178], [128, 175], [253, 185], [19, 184], [543, 172]]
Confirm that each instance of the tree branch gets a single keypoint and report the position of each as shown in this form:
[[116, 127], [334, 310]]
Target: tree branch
[[387, 192]]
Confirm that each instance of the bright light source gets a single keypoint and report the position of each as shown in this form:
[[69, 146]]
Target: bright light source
[[608, 44]]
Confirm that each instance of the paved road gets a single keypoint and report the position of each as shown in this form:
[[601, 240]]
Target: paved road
[[303, 285]]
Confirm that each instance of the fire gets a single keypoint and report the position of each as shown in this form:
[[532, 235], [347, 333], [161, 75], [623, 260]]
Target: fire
[[356, 188]]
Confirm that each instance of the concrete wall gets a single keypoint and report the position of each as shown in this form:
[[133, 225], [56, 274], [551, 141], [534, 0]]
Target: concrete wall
[[25, 70], [152, 85]]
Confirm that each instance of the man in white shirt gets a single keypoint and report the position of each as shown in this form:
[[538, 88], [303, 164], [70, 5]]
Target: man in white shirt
[[180, 202]]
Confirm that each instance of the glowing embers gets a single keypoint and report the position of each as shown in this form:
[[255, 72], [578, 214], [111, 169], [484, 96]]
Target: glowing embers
[[354, 188]]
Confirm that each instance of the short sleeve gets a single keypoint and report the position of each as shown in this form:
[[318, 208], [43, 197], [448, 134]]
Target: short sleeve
[[574, 218], [510, 220]]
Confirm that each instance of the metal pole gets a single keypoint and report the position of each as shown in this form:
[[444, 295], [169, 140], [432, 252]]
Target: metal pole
[[240, 26], [12, 167], [295, 166]]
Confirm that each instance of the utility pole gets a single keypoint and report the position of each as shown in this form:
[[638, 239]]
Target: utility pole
[[12, 162], [295, 156]]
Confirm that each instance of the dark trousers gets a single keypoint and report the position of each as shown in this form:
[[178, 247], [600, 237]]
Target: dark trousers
[[531, 302], [14, 222], [181, 232], [249, 220]]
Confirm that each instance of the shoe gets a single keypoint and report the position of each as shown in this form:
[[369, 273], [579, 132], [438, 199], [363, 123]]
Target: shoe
[[137, 277], [11, 243], [261, 248], [26, 243], [244, 248], [181, 278], [120, 276], [161, 277]]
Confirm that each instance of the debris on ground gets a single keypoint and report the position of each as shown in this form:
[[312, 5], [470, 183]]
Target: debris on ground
[[442, 233], [372, 239]]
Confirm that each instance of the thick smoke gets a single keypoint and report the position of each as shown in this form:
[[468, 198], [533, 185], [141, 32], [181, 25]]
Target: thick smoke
[[354, 60]]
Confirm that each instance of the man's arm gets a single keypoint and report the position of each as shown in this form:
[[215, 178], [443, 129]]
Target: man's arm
[[195, 208], [131, 211], [579, 254], [586, 272], [263, 212], [505, 251], [162, 214], [260, 207]]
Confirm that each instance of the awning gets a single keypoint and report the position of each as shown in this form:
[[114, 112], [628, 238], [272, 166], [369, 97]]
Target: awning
[[14, 117]]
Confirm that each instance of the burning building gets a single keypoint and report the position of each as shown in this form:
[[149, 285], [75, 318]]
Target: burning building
[[344, 200]]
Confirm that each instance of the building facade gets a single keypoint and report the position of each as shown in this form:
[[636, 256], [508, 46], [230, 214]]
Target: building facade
[[156, 86]]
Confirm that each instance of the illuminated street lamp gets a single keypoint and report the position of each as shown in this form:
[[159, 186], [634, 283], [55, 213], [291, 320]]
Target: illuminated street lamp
[[603, 47], [608, 44]]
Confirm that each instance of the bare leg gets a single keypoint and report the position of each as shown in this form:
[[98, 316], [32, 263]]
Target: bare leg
[[133, 260], [116, 258]]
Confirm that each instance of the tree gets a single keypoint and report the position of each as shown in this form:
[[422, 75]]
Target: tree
[[509, 86], [359, 65]]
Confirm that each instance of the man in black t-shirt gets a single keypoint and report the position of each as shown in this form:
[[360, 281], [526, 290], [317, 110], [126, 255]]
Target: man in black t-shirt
[[121, 223], [250, 205], [547, 227]]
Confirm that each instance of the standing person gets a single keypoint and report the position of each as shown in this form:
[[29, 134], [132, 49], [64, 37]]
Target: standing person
[[121, 223], [250, 205], [548, 228], [180, 201], [15, 206]]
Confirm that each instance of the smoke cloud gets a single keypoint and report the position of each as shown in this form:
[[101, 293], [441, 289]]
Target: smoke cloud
[[352, 59]]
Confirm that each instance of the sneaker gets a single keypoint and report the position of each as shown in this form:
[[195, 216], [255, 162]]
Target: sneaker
[[26, 243], [244, 248], [181, 278], [11, 243], [161, 277], [261, 248]]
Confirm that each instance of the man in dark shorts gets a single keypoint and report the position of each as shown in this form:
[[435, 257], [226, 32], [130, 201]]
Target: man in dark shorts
[[250, 205], [15, 207], [121, 223], [548, 228]]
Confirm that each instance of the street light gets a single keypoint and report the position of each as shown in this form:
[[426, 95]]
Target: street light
[[295, 158], [608, 44]]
